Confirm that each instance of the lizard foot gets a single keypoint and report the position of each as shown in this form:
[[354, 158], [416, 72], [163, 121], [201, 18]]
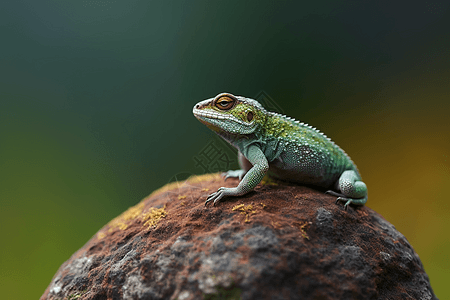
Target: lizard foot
[[349, 201], [221, 192], [233, 174], [344, 199]]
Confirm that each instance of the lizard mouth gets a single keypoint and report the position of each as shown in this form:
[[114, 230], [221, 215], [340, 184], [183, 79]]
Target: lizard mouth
[[209, 114], [205, 115]]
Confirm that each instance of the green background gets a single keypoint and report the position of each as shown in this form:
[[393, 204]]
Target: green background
[[96, 105]]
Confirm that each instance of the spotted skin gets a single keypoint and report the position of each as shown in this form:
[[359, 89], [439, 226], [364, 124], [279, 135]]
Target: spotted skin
[[284, 148]]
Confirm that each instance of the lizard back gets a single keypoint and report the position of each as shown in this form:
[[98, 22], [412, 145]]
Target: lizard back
[[303, 153]]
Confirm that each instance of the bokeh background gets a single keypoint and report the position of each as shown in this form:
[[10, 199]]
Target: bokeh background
[[96, 105]]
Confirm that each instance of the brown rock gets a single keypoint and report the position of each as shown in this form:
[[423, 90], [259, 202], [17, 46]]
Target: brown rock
[[278, 242]]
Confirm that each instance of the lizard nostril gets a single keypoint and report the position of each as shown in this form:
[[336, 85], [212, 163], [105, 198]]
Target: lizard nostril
[[197, 106]]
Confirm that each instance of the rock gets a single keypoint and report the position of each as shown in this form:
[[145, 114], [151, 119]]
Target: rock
[[278, 242]]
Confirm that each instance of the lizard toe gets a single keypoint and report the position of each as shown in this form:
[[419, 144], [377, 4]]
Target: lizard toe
[[211, 197], [216, 196], [347, 201]]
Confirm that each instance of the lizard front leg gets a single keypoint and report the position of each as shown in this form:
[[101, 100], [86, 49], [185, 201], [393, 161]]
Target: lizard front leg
[[251, 179], [352, 188]]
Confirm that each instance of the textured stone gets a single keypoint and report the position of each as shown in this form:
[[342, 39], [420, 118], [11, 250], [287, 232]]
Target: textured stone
[[279, 242]]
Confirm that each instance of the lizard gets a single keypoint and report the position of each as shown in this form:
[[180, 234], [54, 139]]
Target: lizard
[[280, 146]]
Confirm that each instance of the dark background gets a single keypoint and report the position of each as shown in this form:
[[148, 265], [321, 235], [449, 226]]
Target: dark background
[[96, 105]]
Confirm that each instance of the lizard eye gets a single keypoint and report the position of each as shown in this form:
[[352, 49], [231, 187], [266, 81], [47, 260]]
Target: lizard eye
[[249, 116], [225, 103]]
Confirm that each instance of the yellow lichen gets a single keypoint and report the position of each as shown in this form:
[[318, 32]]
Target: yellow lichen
[[268, 181], [302, 230], [245, 210], [101, 235], [238, 207], [204, 177], [181, 197], [247, 219], [166, 188], [153, 216], [121, 221], [178, 184]]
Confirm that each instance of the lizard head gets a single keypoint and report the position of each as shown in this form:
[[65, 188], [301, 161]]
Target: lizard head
[[229, 114]]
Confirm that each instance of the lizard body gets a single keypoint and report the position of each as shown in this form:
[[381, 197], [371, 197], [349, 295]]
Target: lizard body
[[284, 148]]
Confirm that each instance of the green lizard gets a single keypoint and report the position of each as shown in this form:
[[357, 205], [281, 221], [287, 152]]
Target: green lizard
[[281, 146]]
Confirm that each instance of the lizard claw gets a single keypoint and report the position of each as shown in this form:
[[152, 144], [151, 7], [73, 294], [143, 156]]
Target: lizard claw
[[344, 199], [216, 197], [222, 192]]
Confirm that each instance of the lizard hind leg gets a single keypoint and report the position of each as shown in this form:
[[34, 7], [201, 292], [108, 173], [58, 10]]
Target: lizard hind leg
[[352, 189]]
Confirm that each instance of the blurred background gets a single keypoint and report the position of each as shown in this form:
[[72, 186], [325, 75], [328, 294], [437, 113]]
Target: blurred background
[[96, 105]]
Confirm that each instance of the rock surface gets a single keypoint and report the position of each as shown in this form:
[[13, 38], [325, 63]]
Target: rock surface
[[278, 242]]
